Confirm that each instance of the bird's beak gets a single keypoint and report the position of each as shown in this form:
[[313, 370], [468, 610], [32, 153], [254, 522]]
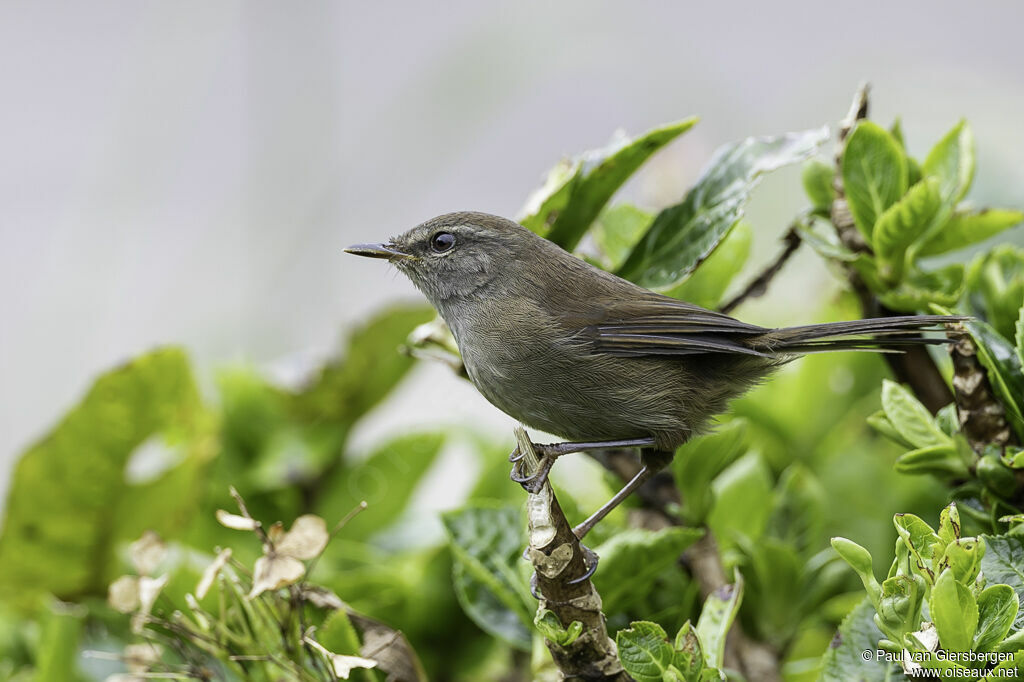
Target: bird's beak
[[378, 251]]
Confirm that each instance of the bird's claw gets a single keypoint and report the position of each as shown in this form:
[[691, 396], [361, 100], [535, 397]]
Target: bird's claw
[[532, 483]]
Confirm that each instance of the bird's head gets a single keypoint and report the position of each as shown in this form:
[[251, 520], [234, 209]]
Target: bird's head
[[456, 254]]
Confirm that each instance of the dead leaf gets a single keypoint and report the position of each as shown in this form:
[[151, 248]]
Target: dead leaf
[[236, 522], [306, 539], [123, 594], [147, 552], [210, 574], [273, 571]]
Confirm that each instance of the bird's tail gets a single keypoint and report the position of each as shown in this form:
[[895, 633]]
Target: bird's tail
[[883, 334]]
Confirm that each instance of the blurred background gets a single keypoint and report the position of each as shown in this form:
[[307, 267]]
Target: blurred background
[[188, 172]]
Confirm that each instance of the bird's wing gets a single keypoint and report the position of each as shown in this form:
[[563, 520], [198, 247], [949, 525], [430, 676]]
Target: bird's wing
[[665, 326]]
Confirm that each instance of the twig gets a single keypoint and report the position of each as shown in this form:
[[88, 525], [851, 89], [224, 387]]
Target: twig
[[915, 366], [982, 417], [563, 585], [760, 284]]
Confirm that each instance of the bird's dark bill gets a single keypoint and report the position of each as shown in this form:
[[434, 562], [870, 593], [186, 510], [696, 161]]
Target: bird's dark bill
[[376, 251]]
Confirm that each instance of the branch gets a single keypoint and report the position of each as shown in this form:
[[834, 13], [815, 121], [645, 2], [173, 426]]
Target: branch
[[915, 366], [982, 417], [760, 284], [560, 562]]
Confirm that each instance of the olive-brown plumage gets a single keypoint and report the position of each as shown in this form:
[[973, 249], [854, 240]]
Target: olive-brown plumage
[[568, 348]]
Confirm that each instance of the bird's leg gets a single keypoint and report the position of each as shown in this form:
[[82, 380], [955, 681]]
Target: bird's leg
[[653, 462], [549, 452]]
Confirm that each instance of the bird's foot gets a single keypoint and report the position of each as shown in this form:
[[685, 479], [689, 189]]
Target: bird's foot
[[532, 483]]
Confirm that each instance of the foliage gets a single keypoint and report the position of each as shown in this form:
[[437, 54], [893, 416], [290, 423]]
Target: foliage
[[832, 447]]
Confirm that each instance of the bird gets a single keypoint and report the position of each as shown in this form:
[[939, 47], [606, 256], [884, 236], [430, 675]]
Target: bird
[[575, 351]]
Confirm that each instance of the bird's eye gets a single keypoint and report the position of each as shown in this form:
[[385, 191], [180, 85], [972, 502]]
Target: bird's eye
[[442, 241]]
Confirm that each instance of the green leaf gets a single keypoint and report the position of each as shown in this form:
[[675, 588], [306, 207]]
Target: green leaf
[[743, 502], [954, 612], [910, 418], [1004, 563], [647, 655], [880, 423], [822, 238], [700, 460], [720, 609], [995, 286], [817, 178], [370, 367], [940, 460], [338, 635], [874, 171], [949, 524], [859, 560], [899, 606], [601, 172], [551, 628], [708, 283], [963, 557], [487, 543], [60, 527], [1000, 361], [920, 539], [386, 481], [644, 651], [544, 205], [966, 227], [902, 224], [617, 231], [57, 655], [632, 559], [683, 235], [997, 609], [920, 289], [951, 161], [844, 661]]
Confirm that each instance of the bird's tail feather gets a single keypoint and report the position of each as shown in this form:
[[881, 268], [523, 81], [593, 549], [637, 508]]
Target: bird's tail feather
[[891, 334]]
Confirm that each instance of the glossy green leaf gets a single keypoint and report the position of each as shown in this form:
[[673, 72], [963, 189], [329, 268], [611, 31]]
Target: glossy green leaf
[[647, 655], [919, 289], [63, 509], [963, 557], [951, 162], [551, 628], [874, 171], [720, 609], [822, 237], [1003, 367], [544, 205], [900, 605], [954, 612], [369, 368], [743, 501], [880, 423], [940, 460], [699, 461], [683, 235], [632, 559], [708, 283], [385, 480], [487, 543], [859, 560], [56, 659], [902, 224], [909, 417], [997, 609], [966, 227], [949, 524], [817, 178], [920, 540], [617, 231], [601, 172], [1003, 563], [995, 287], [844, 659]]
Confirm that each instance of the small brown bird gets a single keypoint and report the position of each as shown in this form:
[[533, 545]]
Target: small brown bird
[[566, 347]]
